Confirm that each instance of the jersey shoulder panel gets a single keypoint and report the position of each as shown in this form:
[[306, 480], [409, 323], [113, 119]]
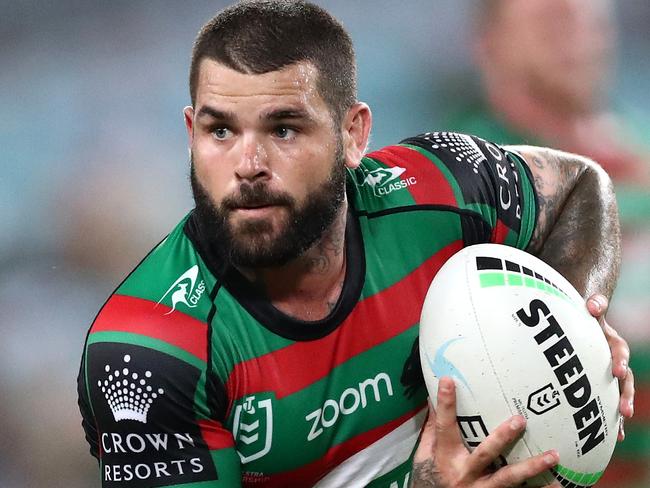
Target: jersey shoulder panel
[[173, 276], [456, 172]]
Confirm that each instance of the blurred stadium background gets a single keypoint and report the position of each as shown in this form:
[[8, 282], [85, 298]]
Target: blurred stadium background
[[94, 172]]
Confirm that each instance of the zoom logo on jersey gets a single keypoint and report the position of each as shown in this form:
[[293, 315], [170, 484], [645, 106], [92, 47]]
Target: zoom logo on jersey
[[349, 402], [185, 290], [253, 427], [568, 369], [387, 180]]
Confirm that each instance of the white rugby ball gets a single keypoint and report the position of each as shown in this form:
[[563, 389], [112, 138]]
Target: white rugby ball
[[517, 338]]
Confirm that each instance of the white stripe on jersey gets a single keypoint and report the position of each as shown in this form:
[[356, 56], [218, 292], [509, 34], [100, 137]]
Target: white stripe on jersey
[[377, 459]]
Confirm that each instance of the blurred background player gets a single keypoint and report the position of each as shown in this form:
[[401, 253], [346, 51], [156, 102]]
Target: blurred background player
[[546, 71]]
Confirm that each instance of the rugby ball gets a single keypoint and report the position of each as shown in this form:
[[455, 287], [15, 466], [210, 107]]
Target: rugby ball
[[517, 338]]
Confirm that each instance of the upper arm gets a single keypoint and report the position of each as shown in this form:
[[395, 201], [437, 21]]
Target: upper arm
[[555, 175], [148, 416], [492, 188]]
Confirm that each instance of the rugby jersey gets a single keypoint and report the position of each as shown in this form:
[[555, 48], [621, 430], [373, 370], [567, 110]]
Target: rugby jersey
[[191, 378]]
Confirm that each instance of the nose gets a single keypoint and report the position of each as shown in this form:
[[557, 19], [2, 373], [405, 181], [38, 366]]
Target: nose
[[253, 164]]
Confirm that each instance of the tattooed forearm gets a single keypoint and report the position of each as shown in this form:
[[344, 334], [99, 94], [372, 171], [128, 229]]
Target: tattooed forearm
[[577, 229], [424, 474]]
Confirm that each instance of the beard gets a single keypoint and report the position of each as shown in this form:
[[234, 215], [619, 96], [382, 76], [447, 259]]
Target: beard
[[254, 243]]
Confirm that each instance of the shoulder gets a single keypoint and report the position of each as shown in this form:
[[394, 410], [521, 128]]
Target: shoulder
[[438, 168], [171, 278]]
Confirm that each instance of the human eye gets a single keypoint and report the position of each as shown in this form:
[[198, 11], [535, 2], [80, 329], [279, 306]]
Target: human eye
[[284, 132], [221, 133]]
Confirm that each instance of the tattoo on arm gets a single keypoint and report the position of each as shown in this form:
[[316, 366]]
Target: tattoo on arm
[[424, 474], [554, 178], [577, 230]]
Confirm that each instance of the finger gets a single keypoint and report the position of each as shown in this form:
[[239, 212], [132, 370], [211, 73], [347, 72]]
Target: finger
[[597, 305], [555, 484], [621, 430], [626, 405], [494, 444], [620, 351], [447, 433], [515, 474], [427, 438]]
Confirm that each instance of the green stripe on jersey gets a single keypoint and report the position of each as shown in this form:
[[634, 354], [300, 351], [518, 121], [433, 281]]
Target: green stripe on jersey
[[529, 207], [356, 398], [162, 273], [234, 329], [397, 478], [435, 230], [149, 342]]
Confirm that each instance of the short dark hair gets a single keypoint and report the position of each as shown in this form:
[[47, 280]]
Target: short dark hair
[[260, 36]]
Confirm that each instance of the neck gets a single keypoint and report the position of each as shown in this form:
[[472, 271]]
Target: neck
[[308, 287]]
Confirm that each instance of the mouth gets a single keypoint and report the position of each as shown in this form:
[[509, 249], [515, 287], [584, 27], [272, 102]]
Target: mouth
[[255, 211]]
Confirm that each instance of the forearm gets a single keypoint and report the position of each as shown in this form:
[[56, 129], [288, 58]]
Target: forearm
[[584, 243]]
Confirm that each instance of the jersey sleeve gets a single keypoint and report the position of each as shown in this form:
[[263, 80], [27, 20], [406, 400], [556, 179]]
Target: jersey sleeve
[[87, 420], [153, 411], [491, 186]]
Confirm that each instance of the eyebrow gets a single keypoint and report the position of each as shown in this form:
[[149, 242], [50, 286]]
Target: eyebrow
[[206, 111], [272, 116], [283, 114]]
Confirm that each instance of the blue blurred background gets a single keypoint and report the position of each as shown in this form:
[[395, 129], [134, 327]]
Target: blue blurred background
[[95, 172]]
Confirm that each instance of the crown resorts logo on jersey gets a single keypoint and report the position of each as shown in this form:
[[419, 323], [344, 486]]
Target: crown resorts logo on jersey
[[128, 393], [387, 180], [185, 290], [253, 427]]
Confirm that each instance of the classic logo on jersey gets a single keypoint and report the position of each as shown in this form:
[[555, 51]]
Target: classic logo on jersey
[[350, 401], [185, 289], [253, 427], [387, 180], [128, 392]]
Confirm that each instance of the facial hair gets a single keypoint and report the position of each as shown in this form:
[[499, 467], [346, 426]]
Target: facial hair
[[254, 243]]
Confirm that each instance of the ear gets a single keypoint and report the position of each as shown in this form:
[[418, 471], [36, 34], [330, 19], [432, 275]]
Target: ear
[[356, 129], [188, 113]]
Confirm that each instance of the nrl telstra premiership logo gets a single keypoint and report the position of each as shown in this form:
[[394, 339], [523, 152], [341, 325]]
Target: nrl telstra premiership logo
[[128, 392], [253, 427], [387, 180], [185, 289]]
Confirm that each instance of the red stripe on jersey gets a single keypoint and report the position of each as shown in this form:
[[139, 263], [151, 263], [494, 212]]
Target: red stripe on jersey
[[499, 233], [139, 316], [430, 185], [284, 371], [310, 473], [215, 435]]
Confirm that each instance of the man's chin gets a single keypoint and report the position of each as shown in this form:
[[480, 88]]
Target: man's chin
[[258, 257]]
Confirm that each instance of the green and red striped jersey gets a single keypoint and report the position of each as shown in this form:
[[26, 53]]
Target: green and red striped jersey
[[191, 378]]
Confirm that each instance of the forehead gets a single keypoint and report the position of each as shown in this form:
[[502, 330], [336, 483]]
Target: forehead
[[293, 84]]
